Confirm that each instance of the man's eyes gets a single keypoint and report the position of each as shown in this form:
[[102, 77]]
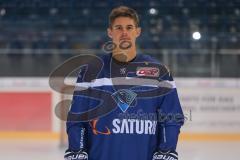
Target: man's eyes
[[118, 28], [121, 28]]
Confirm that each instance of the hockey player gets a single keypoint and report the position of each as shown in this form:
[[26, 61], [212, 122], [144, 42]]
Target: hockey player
[[143, 120]]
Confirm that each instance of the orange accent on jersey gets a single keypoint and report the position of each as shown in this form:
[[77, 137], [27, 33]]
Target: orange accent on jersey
[[93, 124]]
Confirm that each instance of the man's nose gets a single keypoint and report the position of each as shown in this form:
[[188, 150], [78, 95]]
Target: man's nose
[[124, 32]]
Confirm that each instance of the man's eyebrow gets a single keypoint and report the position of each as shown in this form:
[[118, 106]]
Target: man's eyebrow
[[118, 25], [130, 25]]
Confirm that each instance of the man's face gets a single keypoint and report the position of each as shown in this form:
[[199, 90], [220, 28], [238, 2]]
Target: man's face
[[124, 29]]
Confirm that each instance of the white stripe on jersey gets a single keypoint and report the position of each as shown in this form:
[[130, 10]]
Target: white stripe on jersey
[[127, 81]]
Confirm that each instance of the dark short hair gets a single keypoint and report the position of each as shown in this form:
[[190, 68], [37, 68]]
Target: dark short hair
[[123, 11]]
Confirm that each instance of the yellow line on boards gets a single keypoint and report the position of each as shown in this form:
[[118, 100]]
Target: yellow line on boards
[[182, 137], [209, 137], [29, 135]]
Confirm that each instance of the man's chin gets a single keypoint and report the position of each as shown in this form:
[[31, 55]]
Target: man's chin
[[126, 44]]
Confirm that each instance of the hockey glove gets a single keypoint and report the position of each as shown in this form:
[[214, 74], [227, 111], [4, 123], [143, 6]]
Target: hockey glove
[[80, 155], [169, 155]]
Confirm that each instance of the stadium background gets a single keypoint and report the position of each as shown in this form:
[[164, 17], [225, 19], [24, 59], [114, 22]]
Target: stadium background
[[199, 40]]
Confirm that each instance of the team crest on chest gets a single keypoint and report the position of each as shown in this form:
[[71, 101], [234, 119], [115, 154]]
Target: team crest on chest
[[124, 98]]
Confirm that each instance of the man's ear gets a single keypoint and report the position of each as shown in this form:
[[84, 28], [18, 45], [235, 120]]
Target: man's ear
[[139, 30], [109, 30]]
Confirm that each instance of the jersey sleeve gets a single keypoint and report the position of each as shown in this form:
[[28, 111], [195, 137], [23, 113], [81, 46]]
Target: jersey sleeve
[[82, 102], [77, 130], [170, 117]]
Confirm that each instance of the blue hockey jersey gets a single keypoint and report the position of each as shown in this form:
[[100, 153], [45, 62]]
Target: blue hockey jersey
[[124, 111]]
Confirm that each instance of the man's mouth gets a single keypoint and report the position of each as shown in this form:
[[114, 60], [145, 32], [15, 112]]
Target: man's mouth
[[125, 39]]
